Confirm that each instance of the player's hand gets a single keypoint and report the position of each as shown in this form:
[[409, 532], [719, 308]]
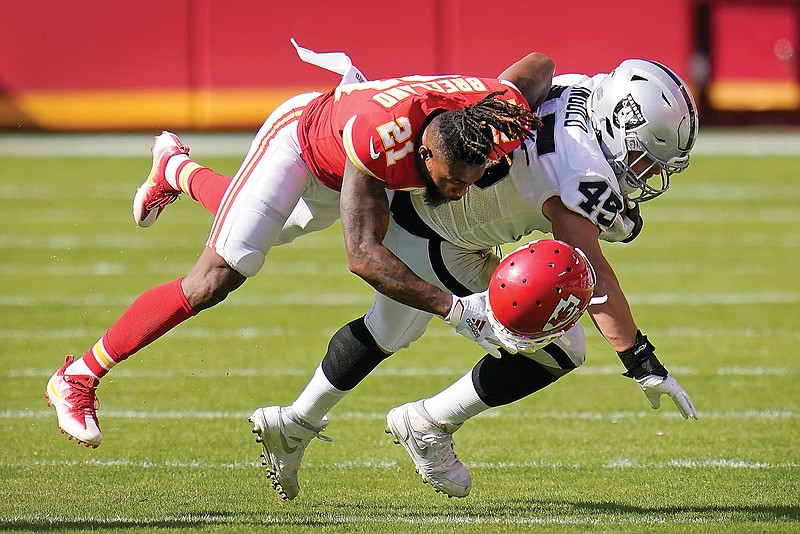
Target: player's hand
[[654, 386], [634, 214], [468, 316]]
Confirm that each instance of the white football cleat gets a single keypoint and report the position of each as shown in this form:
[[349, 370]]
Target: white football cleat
[[75, 401], [284, 438], [430, 445], [155, 193]]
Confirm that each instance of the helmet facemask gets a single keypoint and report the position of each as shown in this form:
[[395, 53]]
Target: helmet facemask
[[636, 184], [644, 107], [522, 342]]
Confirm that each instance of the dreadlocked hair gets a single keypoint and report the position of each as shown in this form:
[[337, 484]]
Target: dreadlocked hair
[[468, 134]]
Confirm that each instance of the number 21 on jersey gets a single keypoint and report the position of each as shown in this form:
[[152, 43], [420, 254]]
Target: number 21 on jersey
[[396, 138]]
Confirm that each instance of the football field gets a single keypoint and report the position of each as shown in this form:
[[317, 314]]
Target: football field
[[714, 281]]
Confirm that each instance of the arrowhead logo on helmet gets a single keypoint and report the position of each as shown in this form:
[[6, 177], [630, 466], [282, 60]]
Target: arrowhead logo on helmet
[[539, 291], [565, 313]]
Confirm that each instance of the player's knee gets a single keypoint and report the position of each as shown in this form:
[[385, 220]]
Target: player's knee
[[395, 336], [573, 343], [566, 352], [249, 263]]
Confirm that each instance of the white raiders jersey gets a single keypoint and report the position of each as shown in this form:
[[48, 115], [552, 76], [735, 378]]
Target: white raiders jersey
[[565, 160]]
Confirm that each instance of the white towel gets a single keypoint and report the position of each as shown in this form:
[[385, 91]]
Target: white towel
[[337, 62]]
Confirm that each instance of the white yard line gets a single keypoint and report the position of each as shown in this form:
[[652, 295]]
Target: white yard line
[[384, 371], [195, 520], [722, 463], [526, 415]]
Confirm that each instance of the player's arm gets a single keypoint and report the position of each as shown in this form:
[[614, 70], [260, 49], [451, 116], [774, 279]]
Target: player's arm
[[365, 218], [364, 210], [533, 76], [613, 318]]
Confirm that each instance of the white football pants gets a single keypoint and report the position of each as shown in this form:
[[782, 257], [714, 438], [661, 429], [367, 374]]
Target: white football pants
[[274, 197]]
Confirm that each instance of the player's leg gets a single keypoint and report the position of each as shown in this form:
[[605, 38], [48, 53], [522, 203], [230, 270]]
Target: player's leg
[[357, 348], [354, 351], [492, 382], [72, 389], [277, 176]]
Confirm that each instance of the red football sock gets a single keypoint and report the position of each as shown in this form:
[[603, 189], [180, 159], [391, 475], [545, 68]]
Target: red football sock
[[153, 314], [207, 187]]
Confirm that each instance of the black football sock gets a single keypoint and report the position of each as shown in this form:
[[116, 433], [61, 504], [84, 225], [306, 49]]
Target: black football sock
[[501, 381]]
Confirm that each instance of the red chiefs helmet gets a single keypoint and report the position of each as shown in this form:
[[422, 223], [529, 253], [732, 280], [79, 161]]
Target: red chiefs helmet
[[538, 292]]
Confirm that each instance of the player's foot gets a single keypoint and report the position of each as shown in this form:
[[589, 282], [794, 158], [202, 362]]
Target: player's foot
[[284, 438], [75, 401], [155, 193], [430, 445]]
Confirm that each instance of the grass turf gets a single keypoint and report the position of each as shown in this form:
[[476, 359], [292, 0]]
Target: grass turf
[[713, 280]]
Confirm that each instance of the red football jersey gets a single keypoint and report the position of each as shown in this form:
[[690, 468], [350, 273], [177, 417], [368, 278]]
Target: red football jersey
[[377, 125]]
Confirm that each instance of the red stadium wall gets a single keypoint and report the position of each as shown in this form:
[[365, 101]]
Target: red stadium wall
[[183, 64]]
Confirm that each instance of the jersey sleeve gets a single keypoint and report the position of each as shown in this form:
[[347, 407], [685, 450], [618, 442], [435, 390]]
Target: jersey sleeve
[[362, 149], [385, 151], [587, 184], [594, 197]]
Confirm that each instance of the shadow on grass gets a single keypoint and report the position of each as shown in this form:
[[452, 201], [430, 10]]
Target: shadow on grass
[[535, 510], [190, 521], [341, 514], [738, 513]]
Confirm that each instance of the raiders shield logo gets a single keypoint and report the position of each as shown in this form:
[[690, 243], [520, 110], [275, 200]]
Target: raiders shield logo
[[628, 114]]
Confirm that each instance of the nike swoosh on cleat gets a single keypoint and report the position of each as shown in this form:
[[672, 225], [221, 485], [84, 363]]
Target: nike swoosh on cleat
[[288, 449]]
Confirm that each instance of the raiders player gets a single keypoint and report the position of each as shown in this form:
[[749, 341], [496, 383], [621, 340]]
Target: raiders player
[[608, 143]]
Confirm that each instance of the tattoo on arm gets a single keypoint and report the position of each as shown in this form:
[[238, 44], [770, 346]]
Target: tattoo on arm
[[365, 215]]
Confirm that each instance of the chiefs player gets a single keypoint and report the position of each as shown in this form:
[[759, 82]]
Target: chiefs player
[[315, 156]]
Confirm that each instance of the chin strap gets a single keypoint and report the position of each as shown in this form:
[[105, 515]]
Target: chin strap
[[634, 214]]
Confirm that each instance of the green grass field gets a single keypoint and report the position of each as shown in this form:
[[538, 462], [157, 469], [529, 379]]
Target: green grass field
[[713, 280]]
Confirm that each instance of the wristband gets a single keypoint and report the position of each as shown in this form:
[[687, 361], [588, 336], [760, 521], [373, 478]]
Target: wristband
[[641, 359]]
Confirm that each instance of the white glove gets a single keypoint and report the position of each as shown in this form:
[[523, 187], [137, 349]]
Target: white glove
[[654, 386], [468, 316]]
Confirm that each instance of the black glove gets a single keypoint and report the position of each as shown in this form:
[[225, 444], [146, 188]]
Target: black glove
[[643, 366], [634, 215], [641, 359]]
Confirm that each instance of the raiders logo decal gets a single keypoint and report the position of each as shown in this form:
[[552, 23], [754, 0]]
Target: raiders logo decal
[[628, 114]]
